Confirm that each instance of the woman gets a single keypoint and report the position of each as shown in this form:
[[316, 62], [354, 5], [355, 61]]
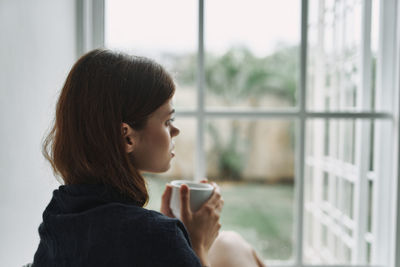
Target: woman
[[114, 121]]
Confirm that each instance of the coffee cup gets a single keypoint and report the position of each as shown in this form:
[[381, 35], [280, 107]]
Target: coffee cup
[[199, 193]]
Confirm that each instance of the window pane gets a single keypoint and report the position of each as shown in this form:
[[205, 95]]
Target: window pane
[[369, 253], [253, 161], [334, 56], [170, 38], [250, 62], [374, 46], [182, 165], [370, 201]]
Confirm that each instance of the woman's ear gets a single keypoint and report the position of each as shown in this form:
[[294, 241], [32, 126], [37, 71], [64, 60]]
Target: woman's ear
[[128, 137]]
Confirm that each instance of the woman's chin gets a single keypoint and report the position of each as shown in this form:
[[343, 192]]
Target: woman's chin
[[167, 167], [158, 170]]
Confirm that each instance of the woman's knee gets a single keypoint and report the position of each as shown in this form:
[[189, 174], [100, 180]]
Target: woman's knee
[[231, 249]]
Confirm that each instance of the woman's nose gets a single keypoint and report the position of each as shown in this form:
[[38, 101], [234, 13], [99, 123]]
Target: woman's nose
[[175, 131]]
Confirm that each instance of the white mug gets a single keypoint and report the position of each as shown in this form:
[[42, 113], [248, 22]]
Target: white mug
[[199, 193]]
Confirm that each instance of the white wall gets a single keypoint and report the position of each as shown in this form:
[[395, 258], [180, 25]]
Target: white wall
[[37, 49]]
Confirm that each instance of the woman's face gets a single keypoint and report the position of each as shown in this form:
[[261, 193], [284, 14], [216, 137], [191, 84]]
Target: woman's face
[[153, 147]]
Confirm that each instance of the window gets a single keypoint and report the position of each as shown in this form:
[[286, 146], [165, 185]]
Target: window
[[304, 114], [346, 182]]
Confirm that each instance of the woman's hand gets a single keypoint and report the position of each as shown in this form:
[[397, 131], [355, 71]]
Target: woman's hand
[[203, 225]]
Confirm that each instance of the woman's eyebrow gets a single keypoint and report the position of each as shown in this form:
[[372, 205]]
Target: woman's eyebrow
[[171, 112]]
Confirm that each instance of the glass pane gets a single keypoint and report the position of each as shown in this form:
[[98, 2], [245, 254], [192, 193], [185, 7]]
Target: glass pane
[[170, 38], [371, 154], [374, 46], [325, 186], [250, 62], [253, 161], [348, 198], [369, 254], [182, 165], [370, 201], [334, 57]]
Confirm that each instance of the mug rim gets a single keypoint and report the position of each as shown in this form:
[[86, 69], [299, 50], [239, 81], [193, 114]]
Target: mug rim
[[206, 187]]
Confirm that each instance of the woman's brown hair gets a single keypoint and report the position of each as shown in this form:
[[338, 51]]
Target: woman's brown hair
[[102, 90]]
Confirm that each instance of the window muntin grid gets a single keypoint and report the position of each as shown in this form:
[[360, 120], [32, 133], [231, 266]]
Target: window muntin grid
[[335, 180]]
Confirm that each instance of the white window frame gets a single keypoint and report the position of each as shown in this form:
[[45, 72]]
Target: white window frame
[[90, 34], [89, 25], [395, 242]]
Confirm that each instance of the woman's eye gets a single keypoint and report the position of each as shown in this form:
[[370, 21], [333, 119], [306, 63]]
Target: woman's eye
[[168, 122]]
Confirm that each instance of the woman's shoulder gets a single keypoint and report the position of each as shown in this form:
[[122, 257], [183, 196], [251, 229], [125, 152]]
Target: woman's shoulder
[[154, 221]]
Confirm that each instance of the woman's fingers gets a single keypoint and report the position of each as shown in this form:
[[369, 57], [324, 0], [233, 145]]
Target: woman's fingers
[[216, 187], [185, 201], [220, 205], [166, 196], [216, 196], [165, 200], [215, 203]]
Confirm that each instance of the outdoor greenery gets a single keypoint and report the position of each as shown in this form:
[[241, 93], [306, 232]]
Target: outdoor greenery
[[239, 76]]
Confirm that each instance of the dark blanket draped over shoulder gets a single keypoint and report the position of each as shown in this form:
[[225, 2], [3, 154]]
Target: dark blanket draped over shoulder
[[93, 225]]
